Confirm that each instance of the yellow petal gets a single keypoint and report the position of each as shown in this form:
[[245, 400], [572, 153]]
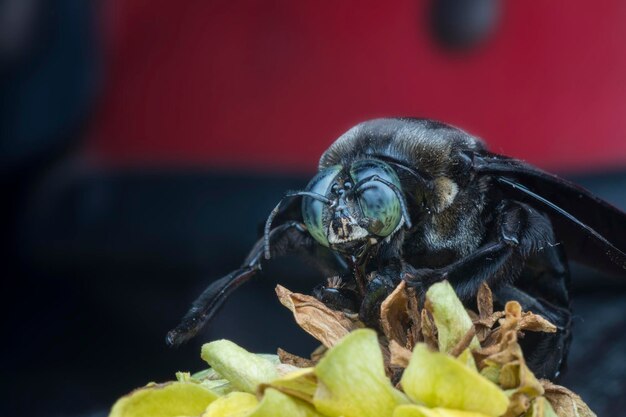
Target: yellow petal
[[541, 408], [218, 386], [352, 381], [212, 374], [420, 411], [183, 377], [243, 369], [300, 384], [491, 372], [451, 319], [164, 400], [438, 380], [467, 359], [277, 404], [235, 404]]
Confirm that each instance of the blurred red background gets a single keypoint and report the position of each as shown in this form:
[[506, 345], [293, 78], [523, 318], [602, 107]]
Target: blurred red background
[[144, 141], [271, 84]]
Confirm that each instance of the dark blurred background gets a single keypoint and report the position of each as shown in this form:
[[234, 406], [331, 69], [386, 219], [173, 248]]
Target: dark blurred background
[[142, 142]]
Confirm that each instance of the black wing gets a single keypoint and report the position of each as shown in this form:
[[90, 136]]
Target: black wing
[[594, 231]]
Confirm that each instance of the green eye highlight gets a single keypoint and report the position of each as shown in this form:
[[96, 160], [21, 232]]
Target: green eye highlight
[[313, 210], [377, 200]]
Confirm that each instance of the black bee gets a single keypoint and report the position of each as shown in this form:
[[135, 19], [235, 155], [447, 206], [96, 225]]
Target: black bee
[[421, 201]]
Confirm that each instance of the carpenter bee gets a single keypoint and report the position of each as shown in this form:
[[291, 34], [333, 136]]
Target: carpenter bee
[[422, 201]]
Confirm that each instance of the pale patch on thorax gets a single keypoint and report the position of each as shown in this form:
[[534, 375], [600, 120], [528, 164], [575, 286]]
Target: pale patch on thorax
[[445, 192]]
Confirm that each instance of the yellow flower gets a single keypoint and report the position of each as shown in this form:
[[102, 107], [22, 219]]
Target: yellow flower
[[172, 399], [420, 411], [235, 404], [438, 380], [243, 369], [352, 380]]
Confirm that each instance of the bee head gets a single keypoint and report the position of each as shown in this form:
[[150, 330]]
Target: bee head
[[362, 203]]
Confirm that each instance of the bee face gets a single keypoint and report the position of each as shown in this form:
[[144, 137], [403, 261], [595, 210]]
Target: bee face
[[363, 204]]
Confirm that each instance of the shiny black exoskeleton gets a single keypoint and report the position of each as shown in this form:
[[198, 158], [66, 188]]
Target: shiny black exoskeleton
[[421, 201]]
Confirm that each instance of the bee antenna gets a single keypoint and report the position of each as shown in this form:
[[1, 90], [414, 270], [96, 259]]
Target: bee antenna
[[270, 218]]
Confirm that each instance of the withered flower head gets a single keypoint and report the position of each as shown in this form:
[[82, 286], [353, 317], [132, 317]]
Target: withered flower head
[[435, 360]]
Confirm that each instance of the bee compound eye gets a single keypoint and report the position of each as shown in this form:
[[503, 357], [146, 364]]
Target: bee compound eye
[[313, 214], [314, 211], [378, 201]]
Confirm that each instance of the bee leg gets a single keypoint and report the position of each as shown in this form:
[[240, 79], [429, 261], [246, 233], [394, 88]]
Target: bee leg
[[382, 281], [336, 296], [288, 237], [518, 233], [467, 274], [377, 289]]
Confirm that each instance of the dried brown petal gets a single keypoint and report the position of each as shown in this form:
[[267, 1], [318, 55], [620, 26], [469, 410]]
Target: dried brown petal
[[485, 352], [484, 299], [484, 325], [429, 331], [473, 315], [295, 360], [489, 321], [512, 316], [540, 407], [414, 334], [394, 315], [492, 339], [507, 350], [502, 361], [464, 343], [513, 309], [514, 321], [400, 356], [326, 325], [519, 403], [509, 377], [535, 323], [565, 402], [318, 353], [529, 384]]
